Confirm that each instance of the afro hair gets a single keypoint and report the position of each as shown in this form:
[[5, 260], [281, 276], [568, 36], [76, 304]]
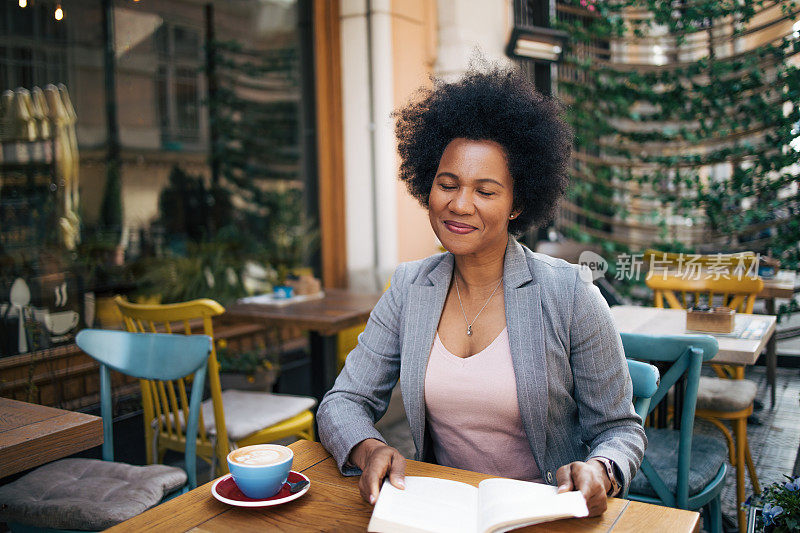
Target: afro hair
[[494, 104]]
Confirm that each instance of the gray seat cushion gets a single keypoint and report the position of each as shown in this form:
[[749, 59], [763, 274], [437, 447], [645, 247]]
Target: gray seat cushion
[[727, 395], [247, 412], [86, 494], [708, 455]]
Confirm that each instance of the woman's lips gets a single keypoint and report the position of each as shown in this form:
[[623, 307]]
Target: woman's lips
[[458, 227]]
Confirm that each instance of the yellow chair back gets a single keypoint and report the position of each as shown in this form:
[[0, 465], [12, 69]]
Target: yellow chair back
[[347, 339], [738, 294], [160, 403], [739, 260]]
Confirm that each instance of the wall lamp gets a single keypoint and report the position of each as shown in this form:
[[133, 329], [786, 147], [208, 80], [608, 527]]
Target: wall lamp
[[537, 43]]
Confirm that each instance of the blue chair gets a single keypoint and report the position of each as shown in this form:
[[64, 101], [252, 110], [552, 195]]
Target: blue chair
[[89, 494], [645, 380], [679, 469]]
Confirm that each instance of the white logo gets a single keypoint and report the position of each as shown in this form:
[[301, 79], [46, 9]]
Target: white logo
[[592, 266]]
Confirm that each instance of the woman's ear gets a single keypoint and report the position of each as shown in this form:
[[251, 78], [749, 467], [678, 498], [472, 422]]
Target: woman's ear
[[514, 214]]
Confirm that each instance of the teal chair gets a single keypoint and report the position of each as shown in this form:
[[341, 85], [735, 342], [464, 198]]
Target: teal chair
[[680, 469], [645, 380], [89, 494]]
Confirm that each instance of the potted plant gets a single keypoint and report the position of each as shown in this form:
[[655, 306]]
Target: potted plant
[[776, 509], [255, 369]]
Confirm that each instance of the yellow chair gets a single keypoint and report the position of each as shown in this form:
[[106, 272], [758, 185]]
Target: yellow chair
[[720, 399], [672, 260], [230, 418], [347, 339]]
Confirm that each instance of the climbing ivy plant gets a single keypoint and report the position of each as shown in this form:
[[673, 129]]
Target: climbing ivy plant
[[685, 133]]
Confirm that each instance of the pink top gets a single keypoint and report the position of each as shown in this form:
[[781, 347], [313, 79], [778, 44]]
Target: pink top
[[473, 412]]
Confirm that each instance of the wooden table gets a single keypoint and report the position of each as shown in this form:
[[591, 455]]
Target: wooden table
[[655, 321], [31, 435], [333, 504], [323, 318], [783, 285]]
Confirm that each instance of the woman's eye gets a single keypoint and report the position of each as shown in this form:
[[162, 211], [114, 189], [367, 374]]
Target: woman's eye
[[446, 187], [486, 193]]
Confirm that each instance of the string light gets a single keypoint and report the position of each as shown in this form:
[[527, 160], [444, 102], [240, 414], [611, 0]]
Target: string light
[[59, 12], [23, 3]]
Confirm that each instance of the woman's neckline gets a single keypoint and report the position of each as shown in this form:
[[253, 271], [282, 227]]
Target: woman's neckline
[[476, 354]]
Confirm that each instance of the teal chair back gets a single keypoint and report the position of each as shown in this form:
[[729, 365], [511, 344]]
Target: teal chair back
[[645, 380], [684, 354], [143, 355]]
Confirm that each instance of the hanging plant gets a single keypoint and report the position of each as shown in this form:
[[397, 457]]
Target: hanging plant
[[694, 154]]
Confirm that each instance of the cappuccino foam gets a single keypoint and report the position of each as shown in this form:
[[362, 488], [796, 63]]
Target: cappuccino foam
[[260, 455]]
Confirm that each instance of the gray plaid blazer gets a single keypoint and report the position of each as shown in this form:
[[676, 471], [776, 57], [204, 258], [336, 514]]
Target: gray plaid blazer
[[573, 386]]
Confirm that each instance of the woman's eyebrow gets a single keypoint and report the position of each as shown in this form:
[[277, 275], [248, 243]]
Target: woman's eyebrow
[[481, 180], [490, 180], [447, 175]]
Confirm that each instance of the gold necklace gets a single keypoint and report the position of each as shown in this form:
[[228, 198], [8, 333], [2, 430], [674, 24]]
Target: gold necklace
[[469, 324]]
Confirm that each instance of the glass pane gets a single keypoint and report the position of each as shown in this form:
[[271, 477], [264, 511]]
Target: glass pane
[[161, 36], [163, 99], [187, 42], [5, 71], [22, 21], [56, 67], [50, 28], [39, 69], [23, 67], [186, 104], [4, 18]]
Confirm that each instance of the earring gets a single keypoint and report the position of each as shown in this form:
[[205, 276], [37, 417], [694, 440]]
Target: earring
[[512, 216]]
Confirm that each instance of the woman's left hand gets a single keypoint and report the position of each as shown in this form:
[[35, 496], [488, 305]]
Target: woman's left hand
[[590, 478]]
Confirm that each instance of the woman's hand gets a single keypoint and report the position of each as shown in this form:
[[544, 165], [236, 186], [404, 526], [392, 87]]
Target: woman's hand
[[376, 460], [590, 478]]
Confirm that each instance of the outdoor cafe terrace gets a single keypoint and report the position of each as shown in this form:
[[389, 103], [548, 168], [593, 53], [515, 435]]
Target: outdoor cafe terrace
[[214, 214]]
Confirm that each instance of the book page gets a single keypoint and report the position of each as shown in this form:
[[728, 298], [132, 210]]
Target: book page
[[426, 505], [507, 504]]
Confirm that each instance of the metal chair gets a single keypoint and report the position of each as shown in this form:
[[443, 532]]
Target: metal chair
[[679, 469], [89, 494], [229, 418], [718, 398]]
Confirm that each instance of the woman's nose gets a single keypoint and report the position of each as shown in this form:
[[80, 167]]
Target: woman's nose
[[462, 203]]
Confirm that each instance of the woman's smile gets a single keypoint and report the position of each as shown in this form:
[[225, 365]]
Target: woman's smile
[[459, 228]]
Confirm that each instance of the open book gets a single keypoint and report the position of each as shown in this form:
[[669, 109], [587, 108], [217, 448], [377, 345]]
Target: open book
[[439, 505]]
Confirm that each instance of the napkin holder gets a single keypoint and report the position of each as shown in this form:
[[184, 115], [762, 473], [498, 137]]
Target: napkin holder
[[710, 320]]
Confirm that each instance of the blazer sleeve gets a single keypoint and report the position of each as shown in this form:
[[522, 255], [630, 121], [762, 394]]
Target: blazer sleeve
[[602, 384], [361, 393]]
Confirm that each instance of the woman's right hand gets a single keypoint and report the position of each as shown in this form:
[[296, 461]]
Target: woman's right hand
[[377, 460]]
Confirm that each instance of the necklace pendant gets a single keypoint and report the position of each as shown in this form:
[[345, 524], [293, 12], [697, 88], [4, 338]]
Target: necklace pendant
[[469, 331]]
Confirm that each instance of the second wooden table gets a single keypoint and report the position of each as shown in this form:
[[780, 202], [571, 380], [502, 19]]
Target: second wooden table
[[31, 435], [323, 318]]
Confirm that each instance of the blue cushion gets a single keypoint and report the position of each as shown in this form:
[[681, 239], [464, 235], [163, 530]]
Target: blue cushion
[[708, 455]]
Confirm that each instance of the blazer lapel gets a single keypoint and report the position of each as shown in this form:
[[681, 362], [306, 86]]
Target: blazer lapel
[[424, 308], [526, 337]]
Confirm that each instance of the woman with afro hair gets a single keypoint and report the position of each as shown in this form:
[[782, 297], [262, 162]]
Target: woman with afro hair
[[509, 361]]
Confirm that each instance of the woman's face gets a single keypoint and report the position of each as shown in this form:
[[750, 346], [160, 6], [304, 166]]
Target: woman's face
[[472, 197]]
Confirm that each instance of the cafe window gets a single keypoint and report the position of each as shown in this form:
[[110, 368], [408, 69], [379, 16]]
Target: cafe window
[[32, 51], [178, 86]]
